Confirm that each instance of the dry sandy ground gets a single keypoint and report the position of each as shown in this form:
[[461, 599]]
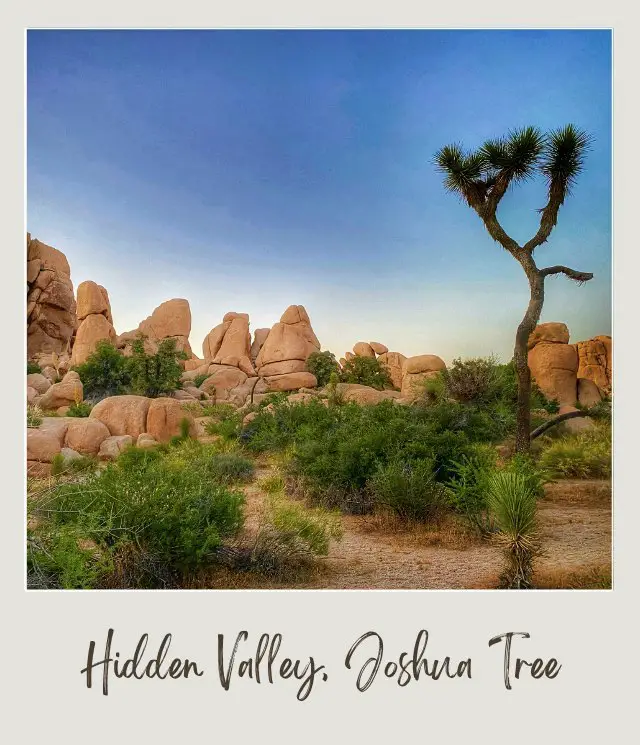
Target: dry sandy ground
[[374, 553]]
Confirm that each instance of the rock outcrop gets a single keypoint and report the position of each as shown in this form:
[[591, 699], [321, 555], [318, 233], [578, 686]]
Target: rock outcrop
[[595, 361], [363, 349], [170, 320], [132, 416], [51, 306], [94, 317]]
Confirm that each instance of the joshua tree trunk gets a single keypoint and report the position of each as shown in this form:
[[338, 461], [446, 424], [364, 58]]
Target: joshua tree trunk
[[521, 352]]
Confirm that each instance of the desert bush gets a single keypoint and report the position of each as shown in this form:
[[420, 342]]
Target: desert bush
[[471, 380], [199, 379], [586, 455], [156, 374], [225, 421], [34, 415], [291, 537], [366, 371], [512, 504], [322, 364], [80, 409], [165, 501], [232, 467], [32, 368], [104, 373], [408, 489]]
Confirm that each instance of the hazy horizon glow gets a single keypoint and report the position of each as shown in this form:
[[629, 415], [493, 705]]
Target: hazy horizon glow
[[251, 170]]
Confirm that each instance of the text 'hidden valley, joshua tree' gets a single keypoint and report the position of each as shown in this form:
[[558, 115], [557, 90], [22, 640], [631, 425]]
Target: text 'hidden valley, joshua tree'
[[482, 178]]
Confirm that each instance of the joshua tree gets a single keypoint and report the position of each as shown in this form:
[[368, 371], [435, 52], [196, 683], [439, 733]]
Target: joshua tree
[[482, 178]]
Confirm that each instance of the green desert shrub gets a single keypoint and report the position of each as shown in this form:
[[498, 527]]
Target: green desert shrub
[[471, 380], [322, 364], [199, 379], [104, 373], [156, 374], [232, 467], [513, 504], [409, 490], [32, 368], [34, 415], [165, 501], [226, 421], [80, 409], [291, 537], [366, 371], [586, 455]]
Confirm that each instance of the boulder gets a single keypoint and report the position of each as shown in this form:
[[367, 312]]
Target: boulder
[[291, 381], [42, 445], [280, 368], [423, 363], [145, 440], [39, 382], [32, 395], [56, 426], [94, 328], [378, 348], [85, 435], [112, 446], [297, 317], [123, 415], [588, 392], [222, 379], [362, 349], [393, 362], [595, 361], [65, 393], [235, 348], [165, 417], [349, 356], [364, 394], [259, 338], [213, 341], [554, 367], [91, 299], [283, 343], [554, 333]]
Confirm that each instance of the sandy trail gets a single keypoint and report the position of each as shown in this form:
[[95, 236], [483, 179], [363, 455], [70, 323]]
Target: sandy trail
[[575, 523]]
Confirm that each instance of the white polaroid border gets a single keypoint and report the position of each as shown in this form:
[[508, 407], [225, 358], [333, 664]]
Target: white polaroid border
[[46, 635]]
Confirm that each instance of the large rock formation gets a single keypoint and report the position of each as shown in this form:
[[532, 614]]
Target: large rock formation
[[170, 320], [281, 359], [51, 306], [567, 372], [96, 323]]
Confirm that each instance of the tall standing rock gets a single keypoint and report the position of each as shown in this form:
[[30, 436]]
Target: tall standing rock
[[94, 315], [595, 361], [393, 362], [51, 306]]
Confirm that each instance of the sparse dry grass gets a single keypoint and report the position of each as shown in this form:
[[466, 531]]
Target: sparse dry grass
[[595, 577]]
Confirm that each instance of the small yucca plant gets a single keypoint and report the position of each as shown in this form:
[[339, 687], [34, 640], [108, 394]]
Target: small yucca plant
[[512, 503]]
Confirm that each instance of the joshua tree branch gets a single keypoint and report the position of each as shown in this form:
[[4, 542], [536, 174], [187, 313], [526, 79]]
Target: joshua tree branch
[[571, 273], [548, 216], [557, 420]]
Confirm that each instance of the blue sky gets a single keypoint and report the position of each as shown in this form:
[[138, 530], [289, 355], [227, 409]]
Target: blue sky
[[249, 170]]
